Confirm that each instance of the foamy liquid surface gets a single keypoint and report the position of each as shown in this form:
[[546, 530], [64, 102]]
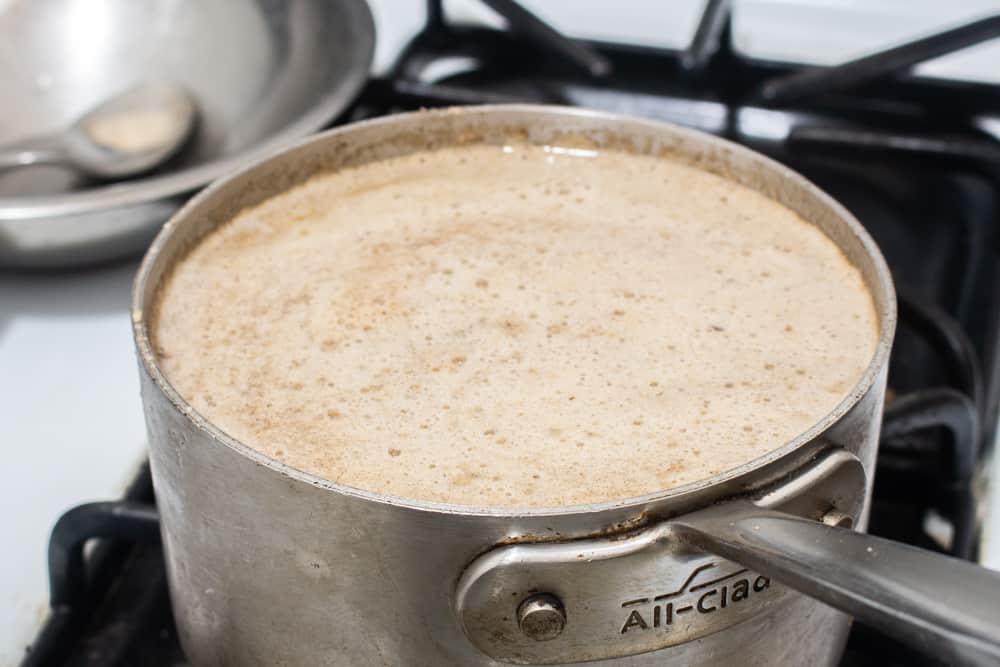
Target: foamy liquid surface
[[515, 326]]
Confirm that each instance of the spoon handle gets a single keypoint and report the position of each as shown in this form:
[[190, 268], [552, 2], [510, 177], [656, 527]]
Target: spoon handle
[[35, 151], [27, 158]]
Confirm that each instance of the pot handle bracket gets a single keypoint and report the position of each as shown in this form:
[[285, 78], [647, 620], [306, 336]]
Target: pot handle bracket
[[615, 596]]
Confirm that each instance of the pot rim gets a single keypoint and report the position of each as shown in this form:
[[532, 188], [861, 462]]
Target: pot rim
[[886, 316]]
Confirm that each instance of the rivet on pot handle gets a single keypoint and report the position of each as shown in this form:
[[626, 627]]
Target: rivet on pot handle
[[666, 584]]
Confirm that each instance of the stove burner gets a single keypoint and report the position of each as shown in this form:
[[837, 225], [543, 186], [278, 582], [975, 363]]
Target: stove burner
[[907, 155]]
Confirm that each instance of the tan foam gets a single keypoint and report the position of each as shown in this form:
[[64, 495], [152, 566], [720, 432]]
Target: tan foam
[[528, 327]]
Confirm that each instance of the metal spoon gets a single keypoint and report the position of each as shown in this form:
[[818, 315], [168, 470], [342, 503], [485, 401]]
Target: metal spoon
[[132, 132]]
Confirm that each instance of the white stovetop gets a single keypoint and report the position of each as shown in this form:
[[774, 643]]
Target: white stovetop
[[69, 395]]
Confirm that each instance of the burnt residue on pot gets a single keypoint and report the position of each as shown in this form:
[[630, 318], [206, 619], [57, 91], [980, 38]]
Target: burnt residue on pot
[[618, 529]]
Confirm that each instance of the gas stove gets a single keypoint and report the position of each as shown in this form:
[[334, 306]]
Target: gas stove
[[911, 157]]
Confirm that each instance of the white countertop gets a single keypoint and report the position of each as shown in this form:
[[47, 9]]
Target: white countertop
[[69, 394]]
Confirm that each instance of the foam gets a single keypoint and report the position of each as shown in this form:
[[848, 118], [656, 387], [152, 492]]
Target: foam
[[515, 326]]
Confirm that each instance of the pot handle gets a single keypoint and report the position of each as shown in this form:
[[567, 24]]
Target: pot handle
[[945, 606]]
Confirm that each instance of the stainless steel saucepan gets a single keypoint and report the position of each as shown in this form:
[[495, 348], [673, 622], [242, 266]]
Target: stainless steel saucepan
[[263, 74], [759, 565]]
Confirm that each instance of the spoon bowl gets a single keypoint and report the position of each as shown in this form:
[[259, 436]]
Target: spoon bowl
[[132, 132]]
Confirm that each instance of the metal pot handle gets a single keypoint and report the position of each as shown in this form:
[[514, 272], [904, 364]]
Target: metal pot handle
[[677, 580], [945, 606]]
